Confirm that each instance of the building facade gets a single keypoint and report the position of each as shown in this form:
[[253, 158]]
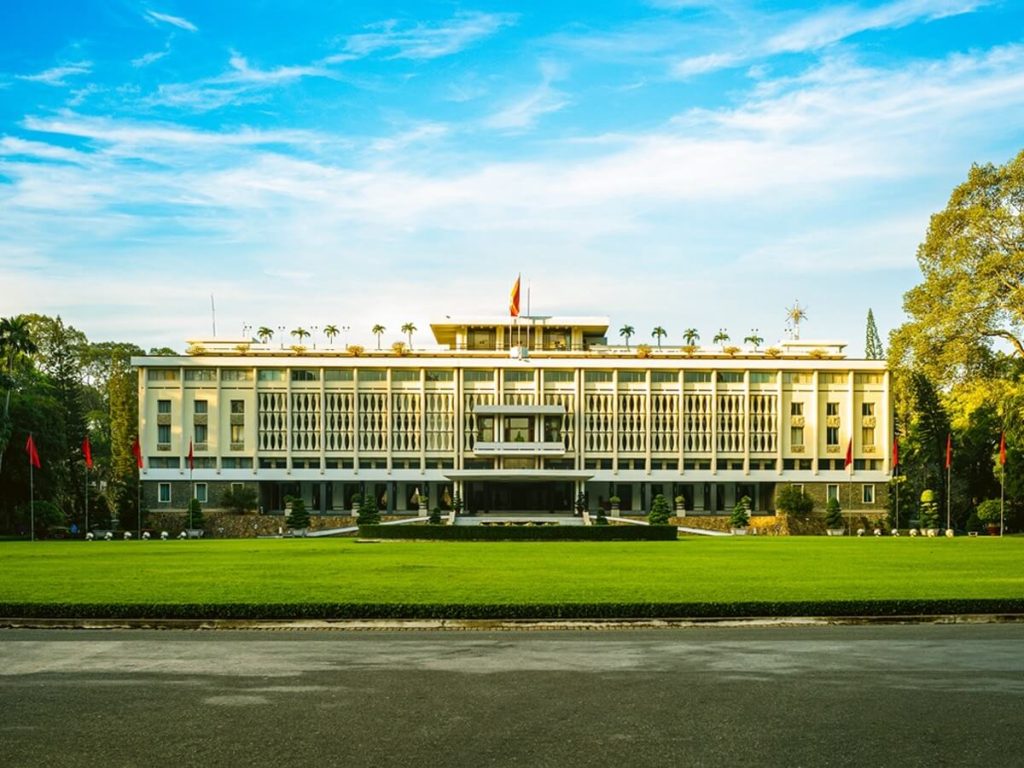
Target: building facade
[[514, 418]]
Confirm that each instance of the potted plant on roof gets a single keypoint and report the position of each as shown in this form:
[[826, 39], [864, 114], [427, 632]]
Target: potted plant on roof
[[834, 518], [739, 520]]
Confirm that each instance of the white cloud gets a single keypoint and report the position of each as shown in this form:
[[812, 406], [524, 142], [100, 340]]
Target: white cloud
[[525, 111], [55, 75], [698, 65], [424, 132], [423, 40], [153, 17], [149, 58]]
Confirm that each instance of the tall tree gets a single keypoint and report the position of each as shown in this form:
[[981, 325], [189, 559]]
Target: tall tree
[[410, 329], [873, 343], [16, 346], [971, 302], [691, 337], [659, 333], [378, 331], [123, 395], [626, 332], [265, 334], [331, 332]]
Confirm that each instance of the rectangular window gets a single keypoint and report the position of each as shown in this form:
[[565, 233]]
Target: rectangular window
[[518, 375], [164, 493], [201, 407], [476, 374], [664, 377], [201, 492], [519, 429], [797, 377], [868, 494], [164, 462], [405, 374], [697, 377], [832, 436], [869, 378], [237, 436], [237, 407], [372, 374], [305, 374], [831, 492], [867, 436], [205, 462], [338, 374], [762, 377], [552, 429], [236, 374], [796, 437], [200, 374], [439, 375], [163, 434], [867, 409], [233, 463], [730, 377], [162, 374], [270, 374], [831, 409], [163, 406], [201, 433], [796, 409], [632, 377], [597, 377], [558, 376], [832, 378], [485, 429]]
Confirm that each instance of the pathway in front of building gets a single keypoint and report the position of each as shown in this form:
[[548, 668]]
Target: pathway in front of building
[[919, 695]]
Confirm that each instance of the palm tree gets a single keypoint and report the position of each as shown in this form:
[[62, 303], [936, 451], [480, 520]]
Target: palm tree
[[300, 334], [691, 337], [15, 343], [625, 332], [410, 329], [378, 331], [265, 334], [794, 316], [331, 332], [722, 337], [753, 339], [659, 333]]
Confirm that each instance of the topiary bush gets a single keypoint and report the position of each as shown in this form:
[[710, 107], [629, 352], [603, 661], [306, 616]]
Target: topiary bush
[[988, 512], [368, 514], [241, 500], [435, 516], [299, 517], [929, 513], [833, 514], [660, 512], [792, 500], [740, 517], [194, 517]]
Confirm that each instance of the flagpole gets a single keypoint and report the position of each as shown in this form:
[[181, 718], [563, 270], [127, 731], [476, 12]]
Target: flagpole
[[897, 478], [1002, 495], [86, 498], [948, 470], [138, 501], [32, 493]]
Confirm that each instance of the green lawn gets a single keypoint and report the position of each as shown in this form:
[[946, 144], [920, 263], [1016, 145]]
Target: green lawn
[[691, 570]]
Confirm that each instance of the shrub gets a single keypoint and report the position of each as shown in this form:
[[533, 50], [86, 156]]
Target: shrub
[[929, 514], [740, 517], [988, 512], [521, 533], [833, 514], [792, 500], [368, 514], [660, 511], [435, 516], [299, 518], [241, 500], [357, 500], [194, 517], [581, 503], [457, 504]]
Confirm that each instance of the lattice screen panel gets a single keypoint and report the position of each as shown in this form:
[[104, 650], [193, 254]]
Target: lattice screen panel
[[405, 421], [730, 424], [568, 429], [597, 423], [519, 398], [272, 421], [469, 421], [664, 423], [440, 421], [697, 423], [632, 423], [305, 421], [339, 421], [373, 425], [764, 421]]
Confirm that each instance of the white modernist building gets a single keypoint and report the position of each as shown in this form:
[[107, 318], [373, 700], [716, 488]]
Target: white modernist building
[[519, 417]]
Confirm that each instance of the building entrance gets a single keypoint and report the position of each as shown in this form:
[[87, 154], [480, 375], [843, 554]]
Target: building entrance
[[550, 496]]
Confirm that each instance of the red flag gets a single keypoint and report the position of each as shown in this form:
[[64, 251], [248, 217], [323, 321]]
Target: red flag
[[33, 454], [191, 460], [1002, 449], [895, 452], [87, 452], [849, 455], [137, 453], [949, 450], [513, 301]]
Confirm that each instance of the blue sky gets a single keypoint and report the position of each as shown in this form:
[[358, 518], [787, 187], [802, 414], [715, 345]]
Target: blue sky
[[673, 162]]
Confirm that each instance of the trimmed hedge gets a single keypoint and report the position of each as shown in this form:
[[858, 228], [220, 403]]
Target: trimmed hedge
[[521, 533], [285, 611]]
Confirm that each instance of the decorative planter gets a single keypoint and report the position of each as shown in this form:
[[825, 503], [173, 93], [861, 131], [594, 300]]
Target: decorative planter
[[836, 531], [739, 531], [992, 530], [680, 510], [615, 509]]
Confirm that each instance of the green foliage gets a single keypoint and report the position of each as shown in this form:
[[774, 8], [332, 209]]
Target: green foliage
[[435, 516], [368, 514], [833, 514], [299, 517], [929, 510], [241, 500], [792, 500], [194, 516], [660, 512], [988, 512], [521, 532], [740, 517], [457, 504], [973, 523]]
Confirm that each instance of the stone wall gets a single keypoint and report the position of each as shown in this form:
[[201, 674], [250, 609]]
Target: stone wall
[[227, 525], [783, 525]]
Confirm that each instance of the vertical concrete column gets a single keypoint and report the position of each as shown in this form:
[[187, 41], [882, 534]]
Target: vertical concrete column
[[322, 423], [680, 424], [781, 424], [355, 424], [615, 422], [388, 426], [423, 421], [816, 426], [714, 425], [647, 423], [746, 422]]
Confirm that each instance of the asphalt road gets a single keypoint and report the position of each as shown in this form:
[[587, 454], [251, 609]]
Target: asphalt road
[[822, 696]]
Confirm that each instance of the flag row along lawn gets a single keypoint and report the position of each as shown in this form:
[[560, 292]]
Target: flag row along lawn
[[345, 578]]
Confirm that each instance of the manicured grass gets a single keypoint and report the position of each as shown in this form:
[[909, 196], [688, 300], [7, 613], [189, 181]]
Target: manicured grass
[[692, 570]]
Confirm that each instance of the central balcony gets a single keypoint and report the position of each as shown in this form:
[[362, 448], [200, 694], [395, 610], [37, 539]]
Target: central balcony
[[519, 448]]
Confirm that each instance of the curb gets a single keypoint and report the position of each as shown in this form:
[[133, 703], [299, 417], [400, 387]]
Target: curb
[[498, 625]]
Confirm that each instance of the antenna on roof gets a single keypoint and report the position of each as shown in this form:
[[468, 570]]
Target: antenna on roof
[[213, 316]]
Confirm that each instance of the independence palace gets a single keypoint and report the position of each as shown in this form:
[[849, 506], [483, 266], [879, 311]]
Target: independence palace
[[515, 418]]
